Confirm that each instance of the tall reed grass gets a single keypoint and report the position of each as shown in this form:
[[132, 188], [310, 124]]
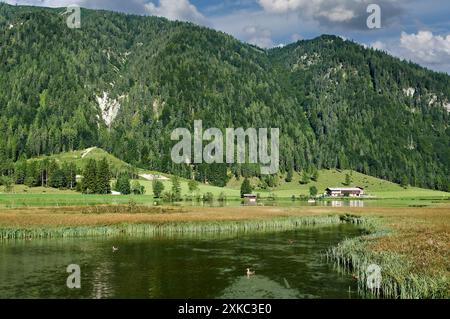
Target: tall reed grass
[[398, 278], [157, 229]]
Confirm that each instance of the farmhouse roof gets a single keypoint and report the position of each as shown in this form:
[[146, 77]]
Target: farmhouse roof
[[350, 189]]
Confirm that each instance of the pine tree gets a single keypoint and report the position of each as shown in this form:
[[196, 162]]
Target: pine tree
[[57, 179], [104, 177], [313, 191], [404, 181], [348, 180], [20, 172], [158, 188], [90, 177], [246, 188], [123, 184], [193, 186], [71, 175], [315, 175], [290, 173], [176, 188]]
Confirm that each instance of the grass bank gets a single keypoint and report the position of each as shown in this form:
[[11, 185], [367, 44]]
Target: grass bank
[[408, 270]]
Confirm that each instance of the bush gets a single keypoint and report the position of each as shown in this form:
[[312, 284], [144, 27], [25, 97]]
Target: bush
[[167, 197], [137, 188], [208, 197], [313, 191], [123, 184], [158, 188]]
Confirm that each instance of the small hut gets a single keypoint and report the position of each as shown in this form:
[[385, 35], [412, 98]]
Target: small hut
[[249, 199]]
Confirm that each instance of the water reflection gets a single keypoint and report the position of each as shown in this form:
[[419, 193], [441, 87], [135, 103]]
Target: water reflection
[[258, 287], [347, 203], [287, 265]]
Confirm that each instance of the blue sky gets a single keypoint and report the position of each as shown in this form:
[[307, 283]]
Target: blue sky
[[418, 30]]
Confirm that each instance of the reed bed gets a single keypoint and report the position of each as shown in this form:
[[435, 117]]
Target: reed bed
[[399, 280], [168, 228]]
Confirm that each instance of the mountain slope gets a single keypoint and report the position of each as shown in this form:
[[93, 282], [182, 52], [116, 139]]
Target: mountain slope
[[125, 82]]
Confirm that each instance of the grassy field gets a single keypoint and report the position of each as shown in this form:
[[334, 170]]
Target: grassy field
[[327, 178], [380, 189], [80, 158], [203, 188], [38, 196], [333, 178]]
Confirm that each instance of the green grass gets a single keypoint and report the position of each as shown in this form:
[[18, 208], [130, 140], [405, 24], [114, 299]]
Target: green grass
[[68, 199], [375, 187], [96, 153], [398, 276], [203, 188], [333, 178], [170, 228]]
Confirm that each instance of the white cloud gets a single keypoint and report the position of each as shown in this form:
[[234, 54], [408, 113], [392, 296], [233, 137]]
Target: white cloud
[[351, 13], [338, 14], [181, 10], [424, 47], [258, 36], [378, 45]]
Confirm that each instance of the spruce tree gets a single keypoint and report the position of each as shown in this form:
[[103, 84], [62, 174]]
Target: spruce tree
[[103, 177], [246, 188], [158, 188], [290, 173], [176, 188], [90, 177], [348, 180], [193, 186], [315, 175], [123, 184]]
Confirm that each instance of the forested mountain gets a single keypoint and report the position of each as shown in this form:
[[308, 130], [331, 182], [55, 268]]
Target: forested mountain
[[124, 82]]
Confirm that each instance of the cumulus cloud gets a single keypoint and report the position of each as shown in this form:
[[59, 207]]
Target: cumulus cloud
[[345, 13], [181, 10], [258, 36], [424, 47]]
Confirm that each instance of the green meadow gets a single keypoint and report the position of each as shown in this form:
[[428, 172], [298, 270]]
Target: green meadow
[[390, 193], [375, 188]]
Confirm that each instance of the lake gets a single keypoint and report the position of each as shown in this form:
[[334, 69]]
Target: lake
[[286, 264]]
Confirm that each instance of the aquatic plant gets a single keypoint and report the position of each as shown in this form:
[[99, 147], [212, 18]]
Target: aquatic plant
[[398, 278], [162, 228]]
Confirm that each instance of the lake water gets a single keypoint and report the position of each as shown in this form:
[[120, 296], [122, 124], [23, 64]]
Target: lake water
[[287, 265]]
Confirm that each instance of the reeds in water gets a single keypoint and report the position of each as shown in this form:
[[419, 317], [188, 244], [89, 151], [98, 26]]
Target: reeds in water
[[157, 229], [398, 279]]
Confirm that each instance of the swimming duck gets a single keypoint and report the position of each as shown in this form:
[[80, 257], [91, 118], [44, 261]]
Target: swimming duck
[[250, 273], [115, 249]]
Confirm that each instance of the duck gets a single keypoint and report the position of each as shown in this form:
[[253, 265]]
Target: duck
[[249, 272], [290, 241], [115, 249]]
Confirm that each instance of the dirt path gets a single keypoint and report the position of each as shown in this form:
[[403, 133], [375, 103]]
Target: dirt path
[[87, 151]]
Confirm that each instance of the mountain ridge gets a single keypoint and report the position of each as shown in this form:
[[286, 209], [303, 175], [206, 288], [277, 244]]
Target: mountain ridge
[[341, 106]]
